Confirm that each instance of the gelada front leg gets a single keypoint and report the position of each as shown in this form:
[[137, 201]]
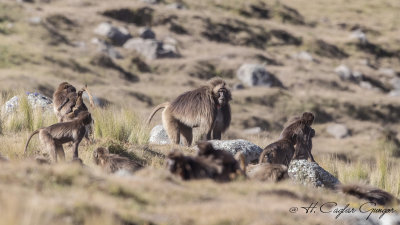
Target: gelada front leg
[[76, 145]]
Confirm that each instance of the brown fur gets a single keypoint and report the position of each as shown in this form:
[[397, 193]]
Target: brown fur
[[262, 171], [268, 172], [61, 97], [300, 127], [111, 163], [77, 108], [228, 165], [304, 144], [279, 152], [369, 193], [42, 160], [297, 125], [189, 168], [52, 137], [206, 107]]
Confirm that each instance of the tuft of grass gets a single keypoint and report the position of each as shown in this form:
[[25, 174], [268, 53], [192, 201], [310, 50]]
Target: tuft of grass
[[377, 171], [22, 118], [26, 118], [120, 125]]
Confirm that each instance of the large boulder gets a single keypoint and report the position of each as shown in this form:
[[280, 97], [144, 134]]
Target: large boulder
[[250, 151], [310, 173], [36, 100], [117, 35], [257, 75]]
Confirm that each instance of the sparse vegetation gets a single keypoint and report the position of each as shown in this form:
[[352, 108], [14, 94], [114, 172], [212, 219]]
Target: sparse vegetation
[[43, 43]]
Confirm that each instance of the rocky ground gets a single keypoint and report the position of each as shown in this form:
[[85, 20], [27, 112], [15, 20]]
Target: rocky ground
[[337, 59]]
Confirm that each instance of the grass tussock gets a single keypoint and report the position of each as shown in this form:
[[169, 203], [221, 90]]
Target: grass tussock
[[379, 171], [119, 125], [26, 118]]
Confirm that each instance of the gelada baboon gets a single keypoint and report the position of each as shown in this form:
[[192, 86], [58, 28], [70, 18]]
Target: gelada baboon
[[228, 166], [206, 107], [268, 172], [54, 136], [262, 171], [188, 167], [61, 97], [301, 128], [77, 106], [279, 152], [297, 124], [111, 163], [369, 193], [303, 146]]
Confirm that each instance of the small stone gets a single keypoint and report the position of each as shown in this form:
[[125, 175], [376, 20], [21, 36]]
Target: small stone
[[338, 131], [366, 85], [387, 72], [344, 72], [35, 20], [151, 48], [159, 136], [252, 131], [147, 33], [304, 56], [146, 47], [176, 5], [153, 2], [360, 36]]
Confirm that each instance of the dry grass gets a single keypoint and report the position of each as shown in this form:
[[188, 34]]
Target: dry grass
[[34, 59], [68, 194]]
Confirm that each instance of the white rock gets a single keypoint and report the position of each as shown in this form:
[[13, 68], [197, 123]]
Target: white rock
[[305, 56], [36, 100], [344, 72], [35, 20], [338, 131], [310, 173], [159, 136], [146, 33], [146, 47], [360, 36], [395, 83], [256, 75], [387, 72], [253, 130], [250, 151], [151, 48], [118, 35]]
